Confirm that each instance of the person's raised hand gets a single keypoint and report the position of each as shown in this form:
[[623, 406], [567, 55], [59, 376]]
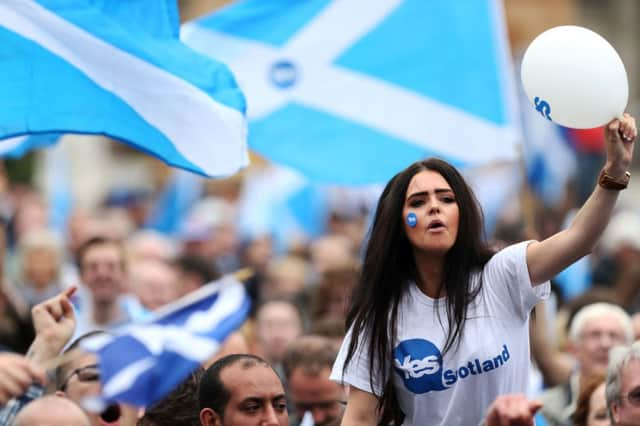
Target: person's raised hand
[[620, 134], [54, 322], [512, 410], [16, 374]]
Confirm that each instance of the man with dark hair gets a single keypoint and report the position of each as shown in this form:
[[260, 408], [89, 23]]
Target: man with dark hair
[[242, 390], [180, 407], [102, 268], [307, 365], [97, 241], [195, 272]]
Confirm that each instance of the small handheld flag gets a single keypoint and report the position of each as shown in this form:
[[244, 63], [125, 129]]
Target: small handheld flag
[[141, 363]]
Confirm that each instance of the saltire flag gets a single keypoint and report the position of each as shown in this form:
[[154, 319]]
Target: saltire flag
[[141, 363], [351, 92], [118, 68]]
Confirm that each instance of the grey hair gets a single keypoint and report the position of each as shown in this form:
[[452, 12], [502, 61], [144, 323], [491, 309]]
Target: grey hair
[[619, 357], [597, 310], [40, 239]]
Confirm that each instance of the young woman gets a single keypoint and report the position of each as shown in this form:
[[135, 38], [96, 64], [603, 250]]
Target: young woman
[[438, 326]]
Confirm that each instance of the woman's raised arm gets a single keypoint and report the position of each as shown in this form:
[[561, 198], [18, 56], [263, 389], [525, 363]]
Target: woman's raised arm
[[547, 258]]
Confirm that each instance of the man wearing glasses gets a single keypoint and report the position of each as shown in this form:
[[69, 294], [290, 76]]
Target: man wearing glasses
[[594, 330], [307, 365], [623, 385], [79, 379], [54, 323]]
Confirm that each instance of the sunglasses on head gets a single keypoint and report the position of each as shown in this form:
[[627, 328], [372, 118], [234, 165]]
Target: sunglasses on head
[[88, 373]]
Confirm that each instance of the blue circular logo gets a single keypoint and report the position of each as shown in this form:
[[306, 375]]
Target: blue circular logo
[[419, 363], [412, 220], [284, 74]]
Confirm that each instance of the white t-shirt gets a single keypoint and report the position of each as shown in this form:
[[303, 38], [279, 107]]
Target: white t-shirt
[[492, 359]]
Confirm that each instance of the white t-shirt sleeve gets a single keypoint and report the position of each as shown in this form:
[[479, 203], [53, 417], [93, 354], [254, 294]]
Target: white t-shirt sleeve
[[357, 372], [506, 277]]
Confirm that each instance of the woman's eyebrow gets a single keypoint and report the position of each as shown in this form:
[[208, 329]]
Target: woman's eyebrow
[[437, 191]]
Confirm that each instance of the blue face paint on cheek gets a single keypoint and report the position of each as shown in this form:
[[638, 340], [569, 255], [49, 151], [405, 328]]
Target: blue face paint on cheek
[[412, 220]]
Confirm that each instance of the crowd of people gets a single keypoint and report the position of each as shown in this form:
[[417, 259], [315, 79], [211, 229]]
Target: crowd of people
[[399, 313]]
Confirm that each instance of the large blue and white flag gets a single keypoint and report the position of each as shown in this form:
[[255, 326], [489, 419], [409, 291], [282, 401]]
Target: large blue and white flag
[[352, 91], [141, 363], [117, 68]]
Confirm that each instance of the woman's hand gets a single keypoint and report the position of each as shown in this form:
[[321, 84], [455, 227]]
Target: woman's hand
[[549, 257], [620, 135]]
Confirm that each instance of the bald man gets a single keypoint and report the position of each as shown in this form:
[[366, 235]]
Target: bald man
[[51, 411]]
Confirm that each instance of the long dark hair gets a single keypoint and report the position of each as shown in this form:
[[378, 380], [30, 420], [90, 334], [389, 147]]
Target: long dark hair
[[389, 267]]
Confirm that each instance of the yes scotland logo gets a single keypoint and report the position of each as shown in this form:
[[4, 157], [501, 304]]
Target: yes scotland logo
[[284, 74], [419, 363]]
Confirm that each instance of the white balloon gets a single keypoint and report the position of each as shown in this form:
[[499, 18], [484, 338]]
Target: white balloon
[[575, 78]]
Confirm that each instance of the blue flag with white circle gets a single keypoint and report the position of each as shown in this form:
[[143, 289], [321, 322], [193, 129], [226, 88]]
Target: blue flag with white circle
[[350, 92]]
